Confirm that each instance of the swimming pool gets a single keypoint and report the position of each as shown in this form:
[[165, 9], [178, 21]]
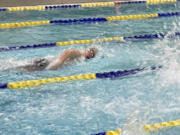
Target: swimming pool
[[91, 106]]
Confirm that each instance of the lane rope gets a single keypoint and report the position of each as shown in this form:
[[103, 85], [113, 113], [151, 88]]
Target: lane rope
[[85, 5], [111, 75], [88, 41], [88, 20], [147, 128]]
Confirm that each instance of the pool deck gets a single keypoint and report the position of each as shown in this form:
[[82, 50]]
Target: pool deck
[[14, 3]]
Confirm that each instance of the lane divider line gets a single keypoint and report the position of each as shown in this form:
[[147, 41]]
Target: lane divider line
[[88, 41], [85, 5], [111, 75], [147, 128], [88, 20]]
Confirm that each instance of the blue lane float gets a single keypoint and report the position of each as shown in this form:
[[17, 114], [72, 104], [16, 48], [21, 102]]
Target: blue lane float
[[11, 48], [124, 72], [3, 85], [82, 20], [131, 2], [168, 14], [2, 9], [102, 133], [62, 6]]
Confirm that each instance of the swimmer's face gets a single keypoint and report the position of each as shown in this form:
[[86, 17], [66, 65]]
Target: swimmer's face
[[90, 53]]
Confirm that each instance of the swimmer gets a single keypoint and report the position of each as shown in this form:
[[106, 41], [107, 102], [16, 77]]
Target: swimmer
[[40, 64]]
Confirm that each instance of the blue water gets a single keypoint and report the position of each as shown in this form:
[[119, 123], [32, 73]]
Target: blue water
[[91, 106]]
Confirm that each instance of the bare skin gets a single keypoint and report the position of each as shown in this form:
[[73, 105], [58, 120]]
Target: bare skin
[[67, 55], [72, 54]]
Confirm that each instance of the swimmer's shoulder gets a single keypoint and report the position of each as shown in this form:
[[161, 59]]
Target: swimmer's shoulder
[[52, 60]]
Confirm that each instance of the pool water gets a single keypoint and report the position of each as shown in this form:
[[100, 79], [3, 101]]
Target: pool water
[[91, 106]]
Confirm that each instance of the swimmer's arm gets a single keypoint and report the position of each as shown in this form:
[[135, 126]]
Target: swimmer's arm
[[68, 54], [26, 68]]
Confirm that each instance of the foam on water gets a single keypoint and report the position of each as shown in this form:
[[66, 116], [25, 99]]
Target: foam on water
[[165, 94]]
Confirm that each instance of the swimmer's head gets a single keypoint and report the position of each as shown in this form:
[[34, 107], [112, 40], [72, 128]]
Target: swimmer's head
[[90, 53]]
